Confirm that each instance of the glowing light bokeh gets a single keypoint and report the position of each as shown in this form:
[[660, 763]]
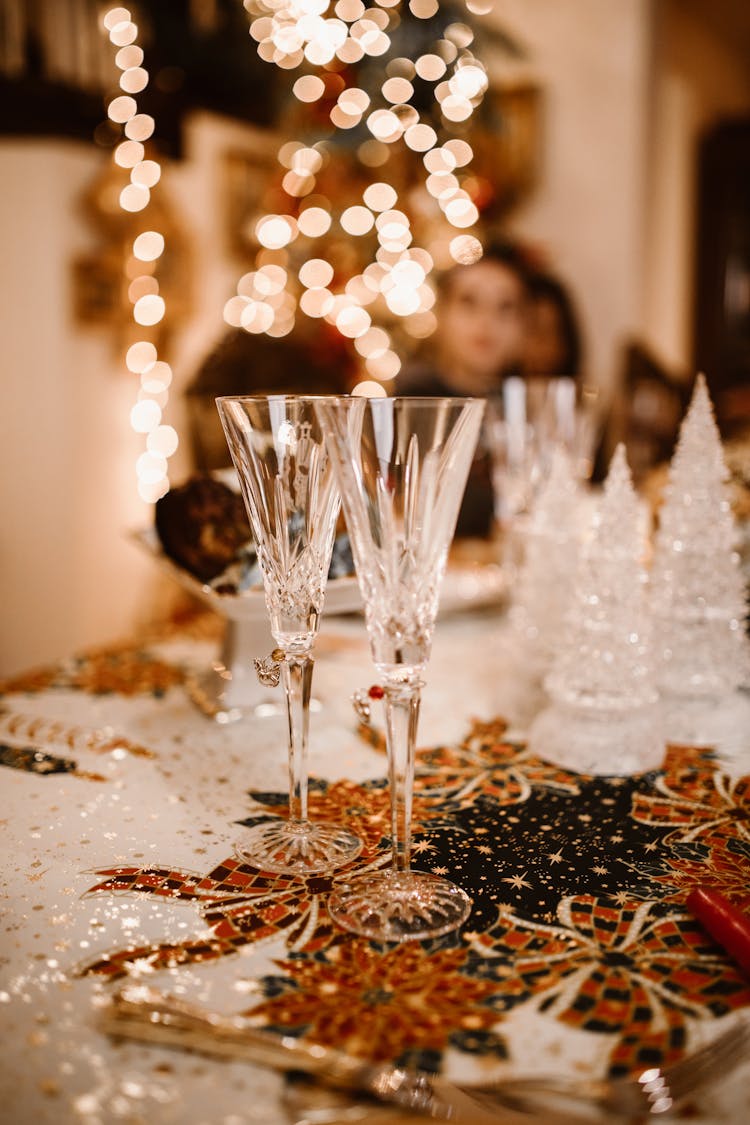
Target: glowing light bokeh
[[134, 79], [465, 249], [149, 310], [156, 378], [430, 67], [316, 302], [321, 276], [122, 109], [316, 273], [140, 127], [142, 286], [270, 280], [142, 357], [423, 9], [461, 151], [115, 16], [385, 366], [147, 173], [397, 90], [357, 220], [129, 153], [309, 88], [148, 246], [275, 231], [353, 321], [129, 57], [380, 196], [145, 416], [368, 388], [123, 33], [134, 197], [314, 222], [420, 138], [163, 441]]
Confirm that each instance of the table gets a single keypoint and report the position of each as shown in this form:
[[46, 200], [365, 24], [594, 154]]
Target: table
[[117, 864]]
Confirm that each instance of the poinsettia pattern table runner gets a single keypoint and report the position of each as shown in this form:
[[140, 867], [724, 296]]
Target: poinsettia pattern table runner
[[122, 802]]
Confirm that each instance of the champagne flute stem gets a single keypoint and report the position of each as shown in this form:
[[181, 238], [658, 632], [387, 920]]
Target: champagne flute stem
[[401, 715], [296, 674]]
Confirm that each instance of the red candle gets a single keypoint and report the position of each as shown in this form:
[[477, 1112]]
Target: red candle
[[725, 923]]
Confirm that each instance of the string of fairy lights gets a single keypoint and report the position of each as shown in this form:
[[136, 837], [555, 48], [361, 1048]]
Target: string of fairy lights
[[288, 278], [142, 357]]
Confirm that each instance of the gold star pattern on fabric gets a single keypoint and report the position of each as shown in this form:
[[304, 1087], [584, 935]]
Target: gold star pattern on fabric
[[518, 881]]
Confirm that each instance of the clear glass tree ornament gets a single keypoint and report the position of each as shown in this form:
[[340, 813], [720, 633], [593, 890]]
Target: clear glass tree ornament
[[603, 716], [698, 595]]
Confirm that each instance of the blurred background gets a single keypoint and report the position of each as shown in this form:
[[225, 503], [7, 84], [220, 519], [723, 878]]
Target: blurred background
[[613, 145]]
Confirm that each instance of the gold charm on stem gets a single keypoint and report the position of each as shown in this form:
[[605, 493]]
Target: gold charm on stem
[[268, 668]]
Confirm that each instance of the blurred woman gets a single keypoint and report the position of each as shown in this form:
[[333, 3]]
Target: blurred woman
[[480, 334]]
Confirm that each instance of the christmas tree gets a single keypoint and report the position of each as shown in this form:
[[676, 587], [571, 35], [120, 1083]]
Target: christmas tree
[[602, 718], [395, 163], [698, 596]]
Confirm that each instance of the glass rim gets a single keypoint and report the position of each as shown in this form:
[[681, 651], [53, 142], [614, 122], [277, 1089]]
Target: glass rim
[[276, 397], [449, 399]]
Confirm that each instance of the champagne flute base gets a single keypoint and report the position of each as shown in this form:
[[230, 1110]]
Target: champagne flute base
[[297, 847], [399, 906]]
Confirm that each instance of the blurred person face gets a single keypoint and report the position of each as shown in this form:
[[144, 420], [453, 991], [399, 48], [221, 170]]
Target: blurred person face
[[545, 346], [481, 326]]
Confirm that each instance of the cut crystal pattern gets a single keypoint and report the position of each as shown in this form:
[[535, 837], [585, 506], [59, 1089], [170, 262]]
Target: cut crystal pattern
[[402, 466], [603, 718], [698, 596], [292, 502]]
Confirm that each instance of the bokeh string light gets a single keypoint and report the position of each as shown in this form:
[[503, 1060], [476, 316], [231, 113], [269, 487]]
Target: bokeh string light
[[328, 40], [142, 358]]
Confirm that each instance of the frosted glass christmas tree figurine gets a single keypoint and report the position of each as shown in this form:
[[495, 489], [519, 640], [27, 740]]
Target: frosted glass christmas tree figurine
[[603, 716], [698, 598], [544, 590]]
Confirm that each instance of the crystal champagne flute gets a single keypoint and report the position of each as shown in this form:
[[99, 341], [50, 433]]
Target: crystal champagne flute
[[288, 485], [402, 466]]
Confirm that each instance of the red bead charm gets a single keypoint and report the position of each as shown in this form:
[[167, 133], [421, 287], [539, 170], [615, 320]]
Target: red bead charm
[[376, 692]]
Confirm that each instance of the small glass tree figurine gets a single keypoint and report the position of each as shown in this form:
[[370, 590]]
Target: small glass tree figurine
[[698, 597], [545, 585], [603, 716]]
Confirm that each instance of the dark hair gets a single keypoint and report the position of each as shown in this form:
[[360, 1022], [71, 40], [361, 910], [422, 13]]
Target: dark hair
[[545, 287], [511, 255], [503, 253]]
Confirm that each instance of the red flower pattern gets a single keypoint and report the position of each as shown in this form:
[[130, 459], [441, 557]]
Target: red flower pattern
[[487, 765], [381, 1005], [624, 970], [694, 799]]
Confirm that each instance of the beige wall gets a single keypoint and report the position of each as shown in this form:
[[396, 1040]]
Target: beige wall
[[69, 576], [66, 573], [591, 59], [701, 74]]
